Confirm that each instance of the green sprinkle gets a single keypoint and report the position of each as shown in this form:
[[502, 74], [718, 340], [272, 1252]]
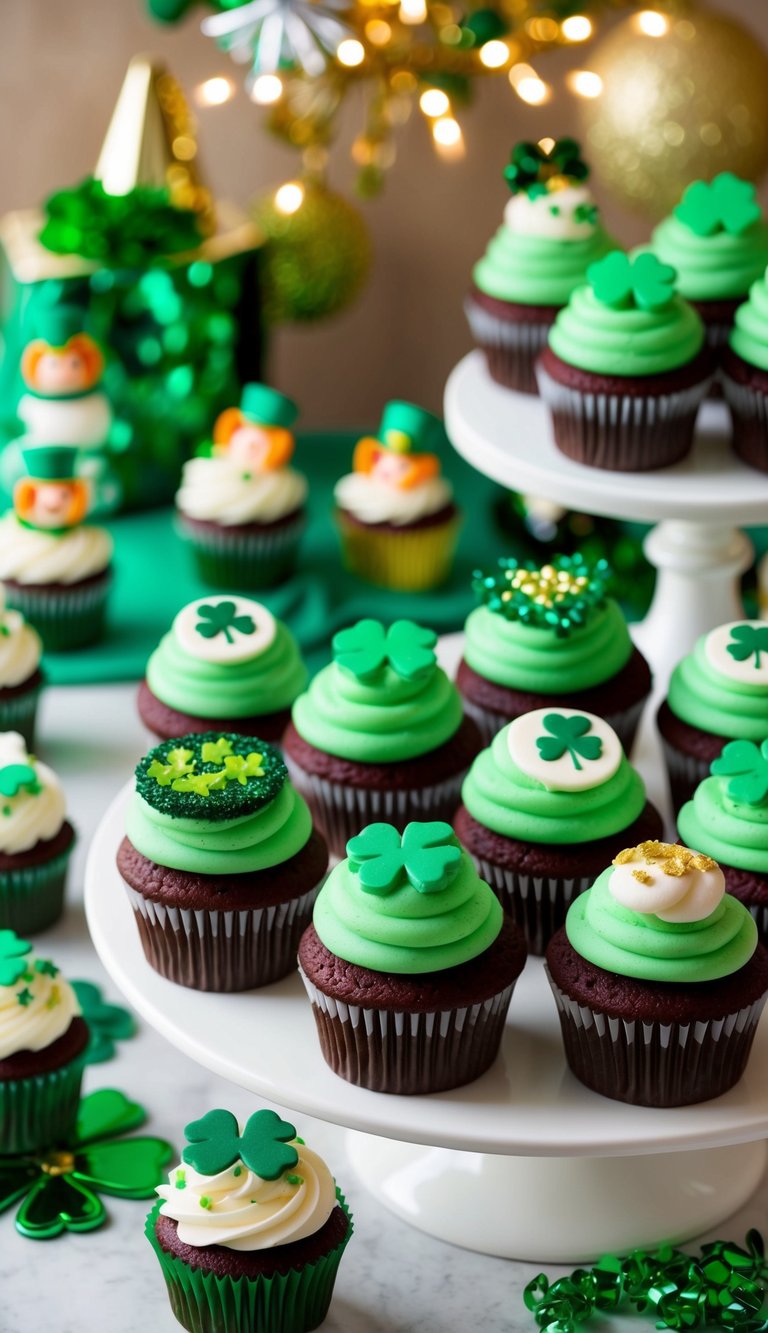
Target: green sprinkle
[[295, 1180], [7, 810], [245, 476], [301, 1141], [24, 997], [45, 967], [238, 1171], [181, 1179], [205, 1202]]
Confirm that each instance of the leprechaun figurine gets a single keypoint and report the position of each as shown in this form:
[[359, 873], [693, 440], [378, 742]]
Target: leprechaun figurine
[[257, 434], [51, 498], [395, 512]]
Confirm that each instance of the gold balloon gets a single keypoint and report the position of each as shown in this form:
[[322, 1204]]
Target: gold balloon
[[676, 107]]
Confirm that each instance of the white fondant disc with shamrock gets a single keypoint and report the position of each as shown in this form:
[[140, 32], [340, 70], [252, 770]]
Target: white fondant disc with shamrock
[[224, 629], [739, 651], [564, 749]]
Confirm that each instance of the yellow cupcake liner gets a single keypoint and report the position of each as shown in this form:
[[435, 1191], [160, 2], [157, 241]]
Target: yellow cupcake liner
[[410, 560]]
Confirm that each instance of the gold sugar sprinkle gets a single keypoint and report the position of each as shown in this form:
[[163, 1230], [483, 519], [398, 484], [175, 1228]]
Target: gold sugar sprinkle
[[642, 876], [671, 859]]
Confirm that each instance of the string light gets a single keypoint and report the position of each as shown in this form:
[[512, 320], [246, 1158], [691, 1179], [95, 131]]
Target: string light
[[584, 83], [289, 197], [577, 28], [448, 137], [651, 23], [266, 89], [350, 52], [528, 85], [214, 92], [378, 32], [413, 11], [434, 102], [494, 54]]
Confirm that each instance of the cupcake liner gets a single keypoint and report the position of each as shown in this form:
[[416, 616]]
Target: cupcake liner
[[408, 1053], [655, 1064], [624, 723], [511, 348], [685, 773], [32, 897], [292, 1302], [409, 560], [749, 414], [536, 903], [237, 558], [41, 1110], [759, 912], [341, 811], [66, 617], [622, 432], [19, 712], [222, 950]]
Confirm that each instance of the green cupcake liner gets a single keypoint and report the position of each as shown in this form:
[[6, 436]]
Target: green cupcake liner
[[41, 1110], [71, 616], [232, 559], [32, 897], [18, 713], [293, 1302]]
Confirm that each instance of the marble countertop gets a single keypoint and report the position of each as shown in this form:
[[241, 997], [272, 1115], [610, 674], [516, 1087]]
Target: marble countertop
[[393, 1279]]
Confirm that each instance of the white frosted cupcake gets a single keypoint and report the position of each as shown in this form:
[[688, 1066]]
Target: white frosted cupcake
[[21, 678], [240, 506], [36, 839]]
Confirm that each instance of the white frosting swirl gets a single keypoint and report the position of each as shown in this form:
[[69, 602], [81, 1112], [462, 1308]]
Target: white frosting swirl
[[534, 217], [43, 1018], [83, 420], [244, 1212], [29, 555], [20, 649], [222, 491], [28, 817], [372, 501], [671, 883]]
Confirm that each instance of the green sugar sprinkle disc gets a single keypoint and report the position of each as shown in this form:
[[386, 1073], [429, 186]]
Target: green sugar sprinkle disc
[[210, 776], [560, 596]]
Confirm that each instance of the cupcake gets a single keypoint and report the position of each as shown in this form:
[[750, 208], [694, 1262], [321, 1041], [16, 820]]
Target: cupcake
[[43, 1041], [745, 377], [21, 678], [55, 569], [380, 733], [550, 235], [395, 513], [250, 1229], [240, 506], [220, 861], [717, 241], [718, 693], [226, 664], [36, 840], [544, 808], [728, 819], [659, 979], [410, 962], [545, 636], [625, 368]]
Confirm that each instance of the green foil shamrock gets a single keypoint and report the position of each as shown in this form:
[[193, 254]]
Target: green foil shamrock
[[107, 1023], [530, 166], [365, 648], [215, 1143], [426, 855], [623, 283], [222, 618], [723, 204], [58, 1190], [746, 766], [748, 641], [568, 735], [13, 957]]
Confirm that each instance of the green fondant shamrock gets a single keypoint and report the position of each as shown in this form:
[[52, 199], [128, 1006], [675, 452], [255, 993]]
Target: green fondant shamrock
[[366, 647], [222, 618], [215, 752], [723, 204], [13, 957], [107, 1023], [179, 763], [239, 768], [568, 735], [621, 282], [24, 997], [426, 854], [747, 641], [14, 777], [585, 213], [57, 1189], [46, 968], [746, 765], [215, 1143], [530, 165]]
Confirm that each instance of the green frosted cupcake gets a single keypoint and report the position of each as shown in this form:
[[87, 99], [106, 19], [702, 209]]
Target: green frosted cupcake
[[43, 1041], [547, 636], [745, 377], [36, 840], [226, 664], [250, 1229]]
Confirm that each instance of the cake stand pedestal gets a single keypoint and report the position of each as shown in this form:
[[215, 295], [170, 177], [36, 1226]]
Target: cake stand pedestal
[[696, 546]]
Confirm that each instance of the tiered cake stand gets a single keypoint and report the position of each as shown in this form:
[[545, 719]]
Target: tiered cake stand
[[525, 1162]]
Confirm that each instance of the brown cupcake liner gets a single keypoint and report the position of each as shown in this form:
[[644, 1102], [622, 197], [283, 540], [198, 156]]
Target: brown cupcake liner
[[749, 413], [624, 723], [622, 432], [538, 904], [18, 712], [511, 349], [408, 1053], [655, 1064], [222, 950], [685, 772]]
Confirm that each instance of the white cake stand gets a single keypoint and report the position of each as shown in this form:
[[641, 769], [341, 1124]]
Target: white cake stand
[[696, 547]]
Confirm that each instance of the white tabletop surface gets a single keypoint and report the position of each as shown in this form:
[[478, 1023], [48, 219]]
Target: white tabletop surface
[[393, 1279]]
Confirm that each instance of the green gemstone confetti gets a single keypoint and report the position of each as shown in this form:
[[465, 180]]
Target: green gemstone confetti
[[560, 595]]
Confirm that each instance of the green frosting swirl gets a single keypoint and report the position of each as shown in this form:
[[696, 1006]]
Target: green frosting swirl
[[268, 837], [530, 657], [408, 932], [381, 719], [537, 270], [632, 944], [503, 798], [719, 267], [625, 341], [264, 684], [749, 336], [703, 698], [730, 831]]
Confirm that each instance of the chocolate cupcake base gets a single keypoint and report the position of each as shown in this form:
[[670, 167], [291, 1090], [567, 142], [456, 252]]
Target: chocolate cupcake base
[[225, 932], [688, 753], [167, 723], [654, 1043], [511, 336], [745, 389], [536, 884]]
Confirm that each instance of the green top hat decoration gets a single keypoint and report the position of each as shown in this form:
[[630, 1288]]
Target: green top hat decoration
[[58, 323], [267, 407], [50, 462], [406, 429]]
